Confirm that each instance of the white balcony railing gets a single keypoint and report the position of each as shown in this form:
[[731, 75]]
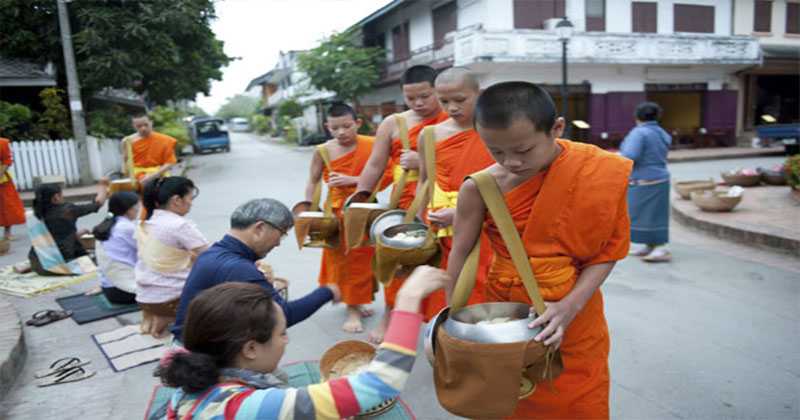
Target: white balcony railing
[[476, 45]]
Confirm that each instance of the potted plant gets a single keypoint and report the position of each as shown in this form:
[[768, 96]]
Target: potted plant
[[792, 169]]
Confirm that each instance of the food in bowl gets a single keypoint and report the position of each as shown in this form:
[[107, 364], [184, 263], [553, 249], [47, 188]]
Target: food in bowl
[[350, 364], [498, 320], [411, 237]]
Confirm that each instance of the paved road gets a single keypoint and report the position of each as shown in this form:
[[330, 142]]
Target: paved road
[[713, 335]]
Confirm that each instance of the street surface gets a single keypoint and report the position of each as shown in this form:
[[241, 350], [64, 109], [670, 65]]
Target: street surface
[[714, 334]]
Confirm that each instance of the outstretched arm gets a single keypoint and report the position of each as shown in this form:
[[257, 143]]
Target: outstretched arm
[[376, 165], [470, 213]]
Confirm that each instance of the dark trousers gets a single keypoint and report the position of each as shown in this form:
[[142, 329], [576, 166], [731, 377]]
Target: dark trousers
[[118, 296]]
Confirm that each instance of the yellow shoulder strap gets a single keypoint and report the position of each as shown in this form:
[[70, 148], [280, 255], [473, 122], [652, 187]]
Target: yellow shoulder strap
[[496, 205], [328, 206], [429, 160]]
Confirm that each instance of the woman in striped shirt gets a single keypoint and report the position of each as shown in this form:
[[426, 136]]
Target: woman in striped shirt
[[235, 336]]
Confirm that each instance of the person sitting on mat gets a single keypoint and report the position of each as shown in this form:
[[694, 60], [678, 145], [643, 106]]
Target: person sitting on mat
[[61, 218], [168, 244], [116, 248], [235, 336]]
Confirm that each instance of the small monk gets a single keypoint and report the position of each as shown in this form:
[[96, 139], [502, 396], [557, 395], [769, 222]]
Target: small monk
[[459, 152], [568, 202], [11, 210], [348, 153], [389, 156], [153, 153]]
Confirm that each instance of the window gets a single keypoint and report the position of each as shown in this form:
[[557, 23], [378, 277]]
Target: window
[[762, 21], [595, 15], [400, 43], [792, 18], [692, 18], [645, 17], [531, 14], [444, 21]]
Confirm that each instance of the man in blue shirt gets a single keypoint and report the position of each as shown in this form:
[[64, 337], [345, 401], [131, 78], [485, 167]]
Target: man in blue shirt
[[256, 227]]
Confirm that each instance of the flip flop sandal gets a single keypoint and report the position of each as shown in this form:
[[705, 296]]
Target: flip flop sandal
[[60, 365], [73, 374], [47, 316]]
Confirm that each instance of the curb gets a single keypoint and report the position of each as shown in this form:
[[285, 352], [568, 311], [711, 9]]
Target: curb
[[13, 351], [742, 236], [723, 156]]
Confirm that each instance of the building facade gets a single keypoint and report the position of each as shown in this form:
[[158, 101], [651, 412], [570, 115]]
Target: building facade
[[682, 54]]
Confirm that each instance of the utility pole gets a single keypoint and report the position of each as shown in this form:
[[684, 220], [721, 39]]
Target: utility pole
[[74, 91]]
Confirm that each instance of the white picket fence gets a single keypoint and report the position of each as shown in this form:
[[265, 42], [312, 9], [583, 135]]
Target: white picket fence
[[60, 157]]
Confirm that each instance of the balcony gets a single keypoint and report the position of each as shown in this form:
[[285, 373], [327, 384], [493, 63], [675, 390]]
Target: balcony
[[474, 45], [436, 56]]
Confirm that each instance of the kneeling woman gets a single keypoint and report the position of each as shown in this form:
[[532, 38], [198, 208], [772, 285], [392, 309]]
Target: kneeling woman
[[235, 336], [116, 249], [168, 245]]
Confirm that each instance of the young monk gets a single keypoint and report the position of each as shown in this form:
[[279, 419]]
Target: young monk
[[459, 152], [388, 155], [351, 271], [568, 202], [153, 153]]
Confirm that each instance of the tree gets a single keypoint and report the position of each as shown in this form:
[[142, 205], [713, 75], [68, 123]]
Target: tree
[[162, 48], [238, 106], [54, 120], [340, 65]]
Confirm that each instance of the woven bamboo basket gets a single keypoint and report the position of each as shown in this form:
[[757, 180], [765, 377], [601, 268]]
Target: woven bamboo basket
[[685, 188], [741, 180], [771, 177], [124, 184], [358, 351], [714, 201]]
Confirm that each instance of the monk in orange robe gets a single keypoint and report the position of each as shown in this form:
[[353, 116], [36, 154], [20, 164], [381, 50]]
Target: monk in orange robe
[[567, 201], [348, 153], [389, 157], [11, 210], [459, 152], [153, 153]]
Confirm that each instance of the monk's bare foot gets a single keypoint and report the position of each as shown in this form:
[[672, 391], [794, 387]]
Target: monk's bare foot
[[353, 323], [376, 335], [365, 312]]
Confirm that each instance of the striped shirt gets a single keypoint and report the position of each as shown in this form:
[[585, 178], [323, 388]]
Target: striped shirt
[[339, 398]]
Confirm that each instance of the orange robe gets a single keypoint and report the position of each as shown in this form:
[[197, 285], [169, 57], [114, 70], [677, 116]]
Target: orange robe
[[153, 151], [351, 271], [390, 292], [569, 217], [456, 157], [11, 210]]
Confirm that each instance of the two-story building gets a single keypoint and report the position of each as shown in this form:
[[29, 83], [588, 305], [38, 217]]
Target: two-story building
[[682, 54]]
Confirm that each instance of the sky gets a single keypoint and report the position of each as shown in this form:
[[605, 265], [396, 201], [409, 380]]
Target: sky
[[257, 30]]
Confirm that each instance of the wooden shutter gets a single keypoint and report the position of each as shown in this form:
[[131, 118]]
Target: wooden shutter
[[531, 14], [400, 43], [792, 18], [763, 16], [645, 16], [693, 18], [445, 20], [595, 15]]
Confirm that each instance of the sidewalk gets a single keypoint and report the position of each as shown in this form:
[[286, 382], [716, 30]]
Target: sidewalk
[[766, 218], [715, 153], [12, 346]]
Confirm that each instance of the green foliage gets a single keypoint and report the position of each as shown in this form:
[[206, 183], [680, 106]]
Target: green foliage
[[792, 169], [290, 108], [367, 128], [291, 134], [340, 65], [238, 106], [55, 119], [111, 122], [261, 124], [15, 120], [169, 120], [164, 48]]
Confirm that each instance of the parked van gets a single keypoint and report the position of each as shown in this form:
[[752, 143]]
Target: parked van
[[209, 134], [239, 124]]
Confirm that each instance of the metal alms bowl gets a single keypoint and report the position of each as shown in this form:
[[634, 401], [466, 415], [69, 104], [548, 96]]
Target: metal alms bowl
[[322, 226], [388, 236], [385, 221], [462, 324], [430, 334]]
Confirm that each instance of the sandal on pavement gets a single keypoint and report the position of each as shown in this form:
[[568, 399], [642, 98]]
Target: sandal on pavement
[[641, 251], [658, 255], [47, 316], [73, 374], [61, 365]]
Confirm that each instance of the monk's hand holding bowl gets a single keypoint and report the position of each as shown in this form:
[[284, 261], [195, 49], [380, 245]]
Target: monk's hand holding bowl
[[338, 180], [555, 319], [301, 207], [409, 160], [443, 217]]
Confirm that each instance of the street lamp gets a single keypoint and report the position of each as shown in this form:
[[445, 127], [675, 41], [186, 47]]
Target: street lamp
[[564, 30]]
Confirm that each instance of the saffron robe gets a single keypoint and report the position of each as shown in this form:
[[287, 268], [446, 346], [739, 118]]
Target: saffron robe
[[351, 271], [457, 157], [152, 152], [569, 217], [12, 211]]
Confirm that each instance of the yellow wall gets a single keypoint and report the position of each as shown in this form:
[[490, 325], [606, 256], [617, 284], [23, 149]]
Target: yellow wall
[[682, 110]]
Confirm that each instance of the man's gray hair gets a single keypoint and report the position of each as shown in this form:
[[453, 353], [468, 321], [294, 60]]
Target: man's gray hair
[[262, 209]]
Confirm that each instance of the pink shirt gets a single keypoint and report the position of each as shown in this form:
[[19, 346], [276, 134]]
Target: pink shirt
[[175, 231]]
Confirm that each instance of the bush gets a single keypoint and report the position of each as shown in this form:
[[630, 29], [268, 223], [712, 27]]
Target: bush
[[290, 108], [15, 120], [792, 169], [261, 124], [112, 122], [169, 121], [55, 119]]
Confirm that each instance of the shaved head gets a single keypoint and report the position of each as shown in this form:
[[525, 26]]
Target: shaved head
[[458, 76]]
